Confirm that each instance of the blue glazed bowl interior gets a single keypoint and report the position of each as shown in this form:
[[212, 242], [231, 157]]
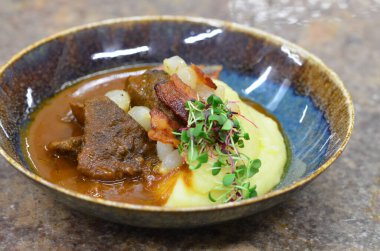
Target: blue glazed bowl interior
[[304, 124]]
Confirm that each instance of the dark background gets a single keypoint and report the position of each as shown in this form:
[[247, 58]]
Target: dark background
[[338, 211]]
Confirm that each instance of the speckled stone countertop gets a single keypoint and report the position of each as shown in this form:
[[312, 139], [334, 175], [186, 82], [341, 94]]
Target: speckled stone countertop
[[338, 211]]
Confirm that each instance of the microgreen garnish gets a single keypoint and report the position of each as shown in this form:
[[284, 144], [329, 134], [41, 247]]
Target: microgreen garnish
[[213, 132]]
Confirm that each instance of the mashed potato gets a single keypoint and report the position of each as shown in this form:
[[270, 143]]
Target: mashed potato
[[266, 143]]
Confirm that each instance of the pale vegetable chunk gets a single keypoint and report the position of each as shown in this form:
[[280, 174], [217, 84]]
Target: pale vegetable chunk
[[172, 160], [204, 91], [173, 64], [142, 115], [169, 156], [120, 97], [163, 150], [188, 76]]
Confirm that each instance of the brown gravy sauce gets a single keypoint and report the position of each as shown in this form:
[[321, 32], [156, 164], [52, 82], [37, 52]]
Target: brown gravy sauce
[[48, 124]]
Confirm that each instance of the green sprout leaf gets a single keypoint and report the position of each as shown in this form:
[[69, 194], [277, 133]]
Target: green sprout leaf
[[246, 136], [203, 158], [240, 143], [252, 192], [184, 137], [195, 167], [210, 197], [236, 123], [216, 167], [213, 131], [256, 163], [215, 171], [246, 185], [254, 167], [221, 119], [199, 104], [227, 125], [192, 153], [228, 179], [198, 129], [214, 101]]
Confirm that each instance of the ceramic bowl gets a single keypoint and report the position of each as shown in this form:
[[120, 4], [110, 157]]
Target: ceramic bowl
[[307, 97]]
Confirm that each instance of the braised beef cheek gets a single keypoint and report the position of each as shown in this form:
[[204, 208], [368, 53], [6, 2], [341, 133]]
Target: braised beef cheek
[[69, 148], [142, 93], [115, 145]]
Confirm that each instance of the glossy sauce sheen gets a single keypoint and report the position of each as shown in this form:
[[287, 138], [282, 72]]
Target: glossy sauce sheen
[[51, 122]]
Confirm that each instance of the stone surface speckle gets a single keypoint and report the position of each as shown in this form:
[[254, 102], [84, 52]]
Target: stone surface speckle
[[338, 211]]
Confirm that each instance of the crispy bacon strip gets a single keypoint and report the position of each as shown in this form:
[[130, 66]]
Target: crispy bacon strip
[[175, 94], [203, 78], [162, 128], [182, 87]]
